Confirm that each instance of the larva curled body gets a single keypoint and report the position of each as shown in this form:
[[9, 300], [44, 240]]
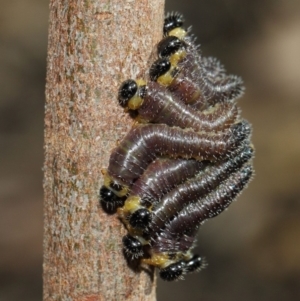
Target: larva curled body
[[144, 143], [156, 105]]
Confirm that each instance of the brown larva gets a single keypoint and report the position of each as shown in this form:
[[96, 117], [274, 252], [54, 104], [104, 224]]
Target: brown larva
[[144, 143], [154, 104]]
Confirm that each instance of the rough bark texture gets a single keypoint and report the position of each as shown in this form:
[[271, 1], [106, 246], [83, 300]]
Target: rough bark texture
[[93, 47]]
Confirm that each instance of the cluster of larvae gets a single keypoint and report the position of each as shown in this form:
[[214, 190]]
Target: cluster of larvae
[[185, 160]]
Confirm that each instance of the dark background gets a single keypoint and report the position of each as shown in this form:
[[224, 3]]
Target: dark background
[[253, 249]]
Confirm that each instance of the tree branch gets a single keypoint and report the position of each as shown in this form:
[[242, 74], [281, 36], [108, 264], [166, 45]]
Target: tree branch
[[93, 47]]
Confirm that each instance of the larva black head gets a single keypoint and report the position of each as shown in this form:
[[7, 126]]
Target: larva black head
[[141, 218], [168, 46], [173, 271], [172, 21], [109, 201], [132, 246], [126, 91], [159, 68], [196, 263]]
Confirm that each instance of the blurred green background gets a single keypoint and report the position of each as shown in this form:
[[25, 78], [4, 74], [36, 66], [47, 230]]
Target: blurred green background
[[253, 249]]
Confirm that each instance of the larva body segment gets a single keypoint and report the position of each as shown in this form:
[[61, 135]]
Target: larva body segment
[[179, 234], [189, 83], [144, 143], [196, 188], [159, 106]]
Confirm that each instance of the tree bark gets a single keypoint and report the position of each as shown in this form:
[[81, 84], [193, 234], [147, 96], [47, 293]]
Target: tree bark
[[93, 47]]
